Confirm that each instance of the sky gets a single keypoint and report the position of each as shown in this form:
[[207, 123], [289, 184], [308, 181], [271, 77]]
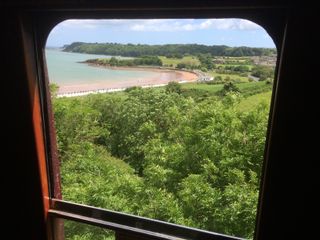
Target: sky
[[231, 32]]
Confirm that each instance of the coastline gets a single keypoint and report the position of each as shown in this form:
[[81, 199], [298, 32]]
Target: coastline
[[165, 76]]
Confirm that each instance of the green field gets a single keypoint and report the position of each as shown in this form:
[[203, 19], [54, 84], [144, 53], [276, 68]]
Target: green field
[[234, 60], [251, 91], [234, 77], [192, 60], [252, 101], [202, 86], [234, 65], [247, 88]]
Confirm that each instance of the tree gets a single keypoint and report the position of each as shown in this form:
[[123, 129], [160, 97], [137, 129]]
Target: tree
[[181, 65], [230, 87], [53, 89], [169, 50], [113, 61], [173, 87], [162, 155], [263, 72]]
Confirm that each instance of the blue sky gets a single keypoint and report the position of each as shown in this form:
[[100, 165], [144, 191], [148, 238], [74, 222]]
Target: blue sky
[[230, 32]]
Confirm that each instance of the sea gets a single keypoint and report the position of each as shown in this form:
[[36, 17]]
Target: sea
[[65, 68]]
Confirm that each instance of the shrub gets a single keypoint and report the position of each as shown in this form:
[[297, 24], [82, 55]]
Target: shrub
[[173, 87]]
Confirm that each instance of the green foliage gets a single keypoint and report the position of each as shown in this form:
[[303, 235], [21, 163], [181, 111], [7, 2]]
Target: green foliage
[[115, 62], [53, 89], [169, 50], [200, 202], [218, 78], [188, 62], [254, 100], [206, 62], [129, 89], [181, 65], [263, 72], [164, 155], [76, 122], [230, 87], [173, 87], [237, 68], [80, 231]]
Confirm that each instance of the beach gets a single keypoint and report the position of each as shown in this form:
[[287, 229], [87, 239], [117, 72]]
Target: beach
[[162, 78]]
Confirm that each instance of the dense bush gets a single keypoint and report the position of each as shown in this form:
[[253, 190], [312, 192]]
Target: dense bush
[[161, 154]]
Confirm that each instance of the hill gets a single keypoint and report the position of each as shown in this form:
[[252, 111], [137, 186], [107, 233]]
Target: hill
[[168, 50]]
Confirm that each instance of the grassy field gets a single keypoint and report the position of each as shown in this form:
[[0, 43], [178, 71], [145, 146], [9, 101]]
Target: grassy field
[[234, 59], [202, 86], [231, 76], [193, 60], [250, 66], [252, 101], [252, 88], [174, 61], [247, 89], [212, 88]]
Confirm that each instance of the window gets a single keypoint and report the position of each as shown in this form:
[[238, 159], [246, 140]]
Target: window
[[70, 211], [285, 198], [188, 153]]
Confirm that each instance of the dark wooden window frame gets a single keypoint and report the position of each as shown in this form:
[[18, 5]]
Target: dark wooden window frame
[[36, 24]]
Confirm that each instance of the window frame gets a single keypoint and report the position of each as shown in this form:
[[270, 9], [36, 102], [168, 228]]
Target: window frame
[[36, 26]]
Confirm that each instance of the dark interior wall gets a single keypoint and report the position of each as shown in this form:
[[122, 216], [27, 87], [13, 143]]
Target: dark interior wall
[[287, 202], [22, 194], [290, 183]]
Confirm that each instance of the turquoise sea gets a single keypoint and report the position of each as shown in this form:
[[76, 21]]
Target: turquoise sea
[[64, 69]]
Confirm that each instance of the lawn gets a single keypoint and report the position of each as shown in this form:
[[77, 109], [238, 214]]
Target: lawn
[[174, 61], [252, 101], [247, 89], [231, 76], [203, 86]]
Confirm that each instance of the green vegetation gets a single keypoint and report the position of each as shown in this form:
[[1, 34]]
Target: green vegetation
[[114, 62], [234, 77], [216, 69], [82, 231], [254, 100], [200, 91], [185, 154], [186, 60], [189, 154], [263, 72], [168, 50], [173, 87]]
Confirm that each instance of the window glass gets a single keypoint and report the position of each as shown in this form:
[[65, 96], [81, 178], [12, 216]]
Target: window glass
[[163, 118]]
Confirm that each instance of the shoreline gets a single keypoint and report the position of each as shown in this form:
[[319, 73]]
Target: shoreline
[[139, 68], [165, 76]]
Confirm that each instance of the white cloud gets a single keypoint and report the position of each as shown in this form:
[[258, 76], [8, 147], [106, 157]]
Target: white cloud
[[188, 27], [191, 25], [160, 25], [163, 25], [138, 27], [247, 25], [206, 24], [229, 24]]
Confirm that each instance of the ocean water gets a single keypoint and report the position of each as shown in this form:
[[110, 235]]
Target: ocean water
[[64, 69]]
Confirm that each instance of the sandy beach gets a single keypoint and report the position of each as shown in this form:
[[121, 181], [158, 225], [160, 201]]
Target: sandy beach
[[164, 76]]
